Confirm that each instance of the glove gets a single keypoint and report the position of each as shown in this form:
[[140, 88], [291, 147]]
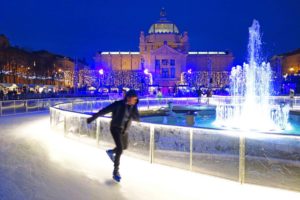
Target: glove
[[89, 120]]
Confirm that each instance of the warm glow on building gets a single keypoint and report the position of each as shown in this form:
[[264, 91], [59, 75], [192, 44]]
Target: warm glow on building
[[164, 52]]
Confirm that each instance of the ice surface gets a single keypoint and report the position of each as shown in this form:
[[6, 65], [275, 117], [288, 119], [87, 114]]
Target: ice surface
[[36, 163]]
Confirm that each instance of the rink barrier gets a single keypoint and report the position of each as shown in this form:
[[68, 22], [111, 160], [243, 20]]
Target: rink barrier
[[267, 159], [12, 107]]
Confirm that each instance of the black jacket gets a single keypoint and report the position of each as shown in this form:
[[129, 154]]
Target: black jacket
[[118, 110]]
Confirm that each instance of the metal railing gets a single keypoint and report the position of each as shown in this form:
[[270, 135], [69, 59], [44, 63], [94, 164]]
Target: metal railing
[[247, 157], [12, 107]]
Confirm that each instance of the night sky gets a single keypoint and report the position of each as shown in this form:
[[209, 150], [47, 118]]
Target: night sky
[[79, 28]]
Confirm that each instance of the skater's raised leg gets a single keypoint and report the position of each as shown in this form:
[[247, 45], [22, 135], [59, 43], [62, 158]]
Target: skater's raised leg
[[111, 154]]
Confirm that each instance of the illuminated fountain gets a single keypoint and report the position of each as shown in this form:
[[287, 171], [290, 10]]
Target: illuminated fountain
[[250, 106]]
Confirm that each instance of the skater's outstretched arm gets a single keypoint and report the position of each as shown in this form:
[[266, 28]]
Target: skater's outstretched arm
[[104, 111]]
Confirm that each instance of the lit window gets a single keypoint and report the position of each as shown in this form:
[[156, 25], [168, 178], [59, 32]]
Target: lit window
[[165, 73], [172, 72], [172, 62], [157, 66], [164, 62]]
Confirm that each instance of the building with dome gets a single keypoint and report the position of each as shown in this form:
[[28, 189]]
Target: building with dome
[[164, 52]]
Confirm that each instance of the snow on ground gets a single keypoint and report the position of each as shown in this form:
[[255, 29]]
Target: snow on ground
[[38, 163]]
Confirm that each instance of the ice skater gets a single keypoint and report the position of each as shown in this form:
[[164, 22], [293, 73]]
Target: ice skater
[[123, 112]]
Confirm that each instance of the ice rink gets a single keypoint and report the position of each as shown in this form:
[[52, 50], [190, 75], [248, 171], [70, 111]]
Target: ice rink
[[38, 163]]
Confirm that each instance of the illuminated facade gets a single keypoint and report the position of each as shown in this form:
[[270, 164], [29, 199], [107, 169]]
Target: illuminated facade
[[286, 64], [164, 52], [20, 66]]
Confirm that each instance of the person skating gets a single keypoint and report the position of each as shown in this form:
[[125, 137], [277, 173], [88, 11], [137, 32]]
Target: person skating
[[123, 112]]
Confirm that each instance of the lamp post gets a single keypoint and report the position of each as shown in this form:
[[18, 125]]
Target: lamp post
[[190, 77], [182, 78], [60, 77], [27, 73], [101, 72], [146, 72], [210, 73], [291, 69]]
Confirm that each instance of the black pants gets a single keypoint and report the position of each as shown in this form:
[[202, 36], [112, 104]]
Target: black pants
[[121, 141]]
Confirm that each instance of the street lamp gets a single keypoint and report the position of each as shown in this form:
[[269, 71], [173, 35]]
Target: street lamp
[[101, 72], [60, 76], [146, 72]]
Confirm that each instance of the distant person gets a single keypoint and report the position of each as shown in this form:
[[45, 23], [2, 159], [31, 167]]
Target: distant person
[[199, 95], [174, 90], [208, 95], [159, 95], [292, 95], [124, 91], [154, 92], [1, 95], [15, 93], [123, 112]]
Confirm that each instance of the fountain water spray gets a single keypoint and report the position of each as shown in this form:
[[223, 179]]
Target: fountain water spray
[[250, 106]]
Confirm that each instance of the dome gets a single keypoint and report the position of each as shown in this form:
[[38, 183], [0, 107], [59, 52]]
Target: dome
[[163, 25]]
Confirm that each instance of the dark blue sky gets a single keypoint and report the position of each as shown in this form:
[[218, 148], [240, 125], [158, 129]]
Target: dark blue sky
[[82, 27]]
